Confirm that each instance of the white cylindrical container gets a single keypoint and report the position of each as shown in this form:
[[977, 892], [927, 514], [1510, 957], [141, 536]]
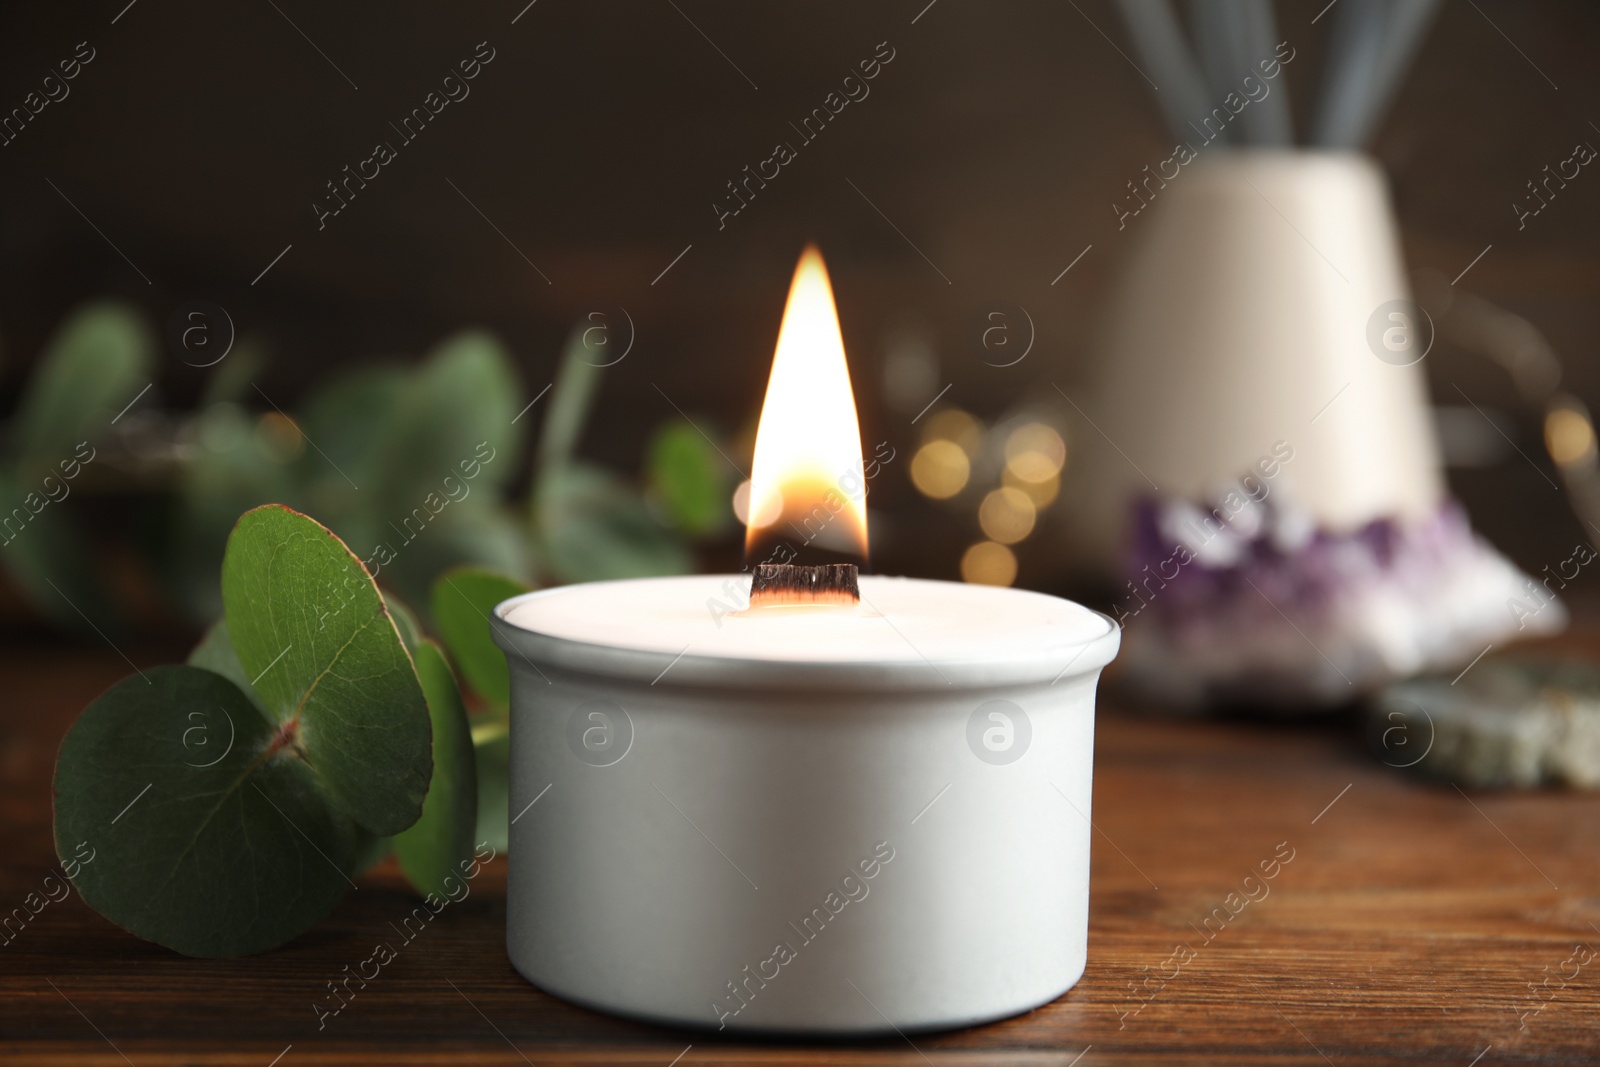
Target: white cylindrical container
[[808, 820]]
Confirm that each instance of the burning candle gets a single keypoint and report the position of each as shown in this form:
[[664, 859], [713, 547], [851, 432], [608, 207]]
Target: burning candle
[[828, 805], [808, 483]]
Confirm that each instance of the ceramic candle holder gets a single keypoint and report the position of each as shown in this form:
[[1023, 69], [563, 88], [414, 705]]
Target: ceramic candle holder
[[809, 821]]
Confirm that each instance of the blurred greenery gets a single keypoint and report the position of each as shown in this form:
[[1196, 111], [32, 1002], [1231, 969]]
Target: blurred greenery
[[588, 523], [462, 600], [416, 466], [407, 465], [418, 469], [688, 478], [434, 852], [97, 364], [493, 754]]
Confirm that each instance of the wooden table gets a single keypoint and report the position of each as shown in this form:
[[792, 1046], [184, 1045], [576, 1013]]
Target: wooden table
[[1413, 924]]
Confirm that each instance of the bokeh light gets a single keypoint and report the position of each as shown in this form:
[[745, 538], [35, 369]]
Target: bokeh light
[[940, 469], [953, 424], [1041, 493], [987, 563], [1006, 515], [280, 437], [741, 506], [1035, 453], [1568, 435]]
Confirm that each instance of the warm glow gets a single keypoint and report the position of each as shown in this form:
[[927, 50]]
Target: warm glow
[[1006, 515], [279, 436], [1035, 452], [807, 477], [1041, 493], [1568, 435], [953, 424], [987, 563], [940, 469]]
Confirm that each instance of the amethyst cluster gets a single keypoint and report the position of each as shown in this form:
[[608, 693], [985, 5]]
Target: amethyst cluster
[[1249, 599]]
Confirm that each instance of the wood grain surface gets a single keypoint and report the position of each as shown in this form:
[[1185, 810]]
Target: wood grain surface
[[1415, 923]]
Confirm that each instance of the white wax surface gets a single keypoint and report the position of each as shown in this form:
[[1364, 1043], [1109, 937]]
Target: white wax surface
[[899, 620]]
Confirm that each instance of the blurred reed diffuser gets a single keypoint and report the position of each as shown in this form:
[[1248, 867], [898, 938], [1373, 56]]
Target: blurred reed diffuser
[[1269, 474]]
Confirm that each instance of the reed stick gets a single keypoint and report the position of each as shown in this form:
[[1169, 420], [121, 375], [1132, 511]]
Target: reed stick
[[1408, 24], [1181, 91], [1352, 61]]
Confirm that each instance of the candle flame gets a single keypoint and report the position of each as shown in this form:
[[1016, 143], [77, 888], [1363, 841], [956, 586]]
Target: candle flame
[[807, 487]]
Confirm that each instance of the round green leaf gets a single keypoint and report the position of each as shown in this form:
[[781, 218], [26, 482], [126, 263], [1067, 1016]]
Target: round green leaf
[[208, 831], [312, 633], [439, 846], [462, 600], [215, 653]]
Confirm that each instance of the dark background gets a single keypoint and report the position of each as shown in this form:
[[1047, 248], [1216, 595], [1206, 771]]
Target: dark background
[[996, 140], [600, 135]]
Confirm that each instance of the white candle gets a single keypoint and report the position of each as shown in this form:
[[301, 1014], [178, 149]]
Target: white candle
[[804, 819], [686, 796]]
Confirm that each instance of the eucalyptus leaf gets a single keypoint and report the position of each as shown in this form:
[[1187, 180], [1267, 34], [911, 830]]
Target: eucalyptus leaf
[[349, 422], [311, 630], [494, 538], [406, 624], [432, 449], [230, 382], [452, 433], [688, 478], [592, 527], [437, 850], [215, 653], [46, 555], [96, 364], [587, 524], [231, 470], [463, 534], [493, 757], [220, 848], [570, 399], [370, 850], [463, 599]]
